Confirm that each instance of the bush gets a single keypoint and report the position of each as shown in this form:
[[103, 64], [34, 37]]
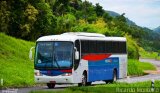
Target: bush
[[149, 54], [132, 47], [137, 68]]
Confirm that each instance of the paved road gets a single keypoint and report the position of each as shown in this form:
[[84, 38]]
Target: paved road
[[27, 90], [128, 80]]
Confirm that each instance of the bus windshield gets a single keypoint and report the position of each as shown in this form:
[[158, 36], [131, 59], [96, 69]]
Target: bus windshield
[[56, 55]]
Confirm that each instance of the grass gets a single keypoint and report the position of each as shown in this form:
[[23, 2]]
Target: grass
[[150, 55], [16, 69], [107, 88], [137, 68]]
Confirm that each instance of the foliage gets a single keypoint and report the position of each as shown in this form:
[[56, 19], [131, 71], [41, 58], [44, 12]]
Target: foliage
[[99, 10], [45, 23], [64, 23], [4, 17], [30, 18], [98, 27], [137, 68], [149, 54], [132, 47], [15, 67]]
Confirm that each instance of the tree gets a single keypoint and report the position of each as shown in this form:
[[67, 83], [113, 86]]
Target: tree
[[30, 16], [64, 23], [4, 17], [16, 17], [60, 7], [46, 21], [89, 13], [99, 10]]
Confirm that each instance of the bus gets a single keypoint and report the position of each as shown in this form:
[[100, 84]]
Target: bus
[[79, 58]]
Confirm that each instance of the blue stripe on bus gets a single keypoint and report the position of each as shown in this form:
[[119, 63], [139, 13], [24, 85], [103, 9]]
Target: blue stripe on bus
[[103, 69], [51, 72]]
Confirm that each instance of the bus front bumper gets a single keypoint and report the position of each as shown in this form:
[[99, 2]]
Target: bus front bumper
[[54, 79]]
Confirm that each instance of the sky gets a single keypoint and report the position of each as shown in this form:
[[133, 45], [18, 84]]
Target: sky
[[145, 13]]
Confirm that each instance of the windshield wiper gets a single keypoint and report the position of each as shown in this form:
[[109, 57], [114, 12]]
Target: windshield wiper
[[46, 62], [55, 60]]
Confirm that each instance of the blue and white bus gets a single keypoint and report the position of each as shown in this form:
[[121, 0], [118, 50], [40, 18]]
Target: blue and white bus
[[78, 57]]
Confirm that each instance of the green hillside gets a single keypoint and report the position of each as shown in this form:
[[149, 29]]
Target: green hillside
[[15, 67]]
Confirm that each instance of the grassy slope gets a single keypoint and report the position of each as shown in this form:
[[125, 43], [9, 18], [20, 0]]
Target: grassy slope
[[15, 67]]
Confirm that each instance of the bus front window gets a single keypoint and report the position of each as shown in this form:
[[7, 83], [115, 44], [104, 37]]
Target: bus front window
[[54, 55]]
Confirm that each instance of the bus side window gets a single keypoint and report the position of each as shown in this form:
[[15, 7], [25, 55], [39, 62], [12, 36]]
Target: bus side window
[[76, 62]]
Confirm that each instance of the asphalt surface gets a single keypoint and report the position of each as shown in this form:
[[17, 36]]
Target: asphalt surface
[[62, 87], [39, 88]]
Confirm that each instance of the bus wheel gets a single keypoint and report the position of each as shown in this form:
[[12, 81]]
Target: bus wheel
[[89, 83], [51, 85], [84, 79], [107, 81], [114, 76]]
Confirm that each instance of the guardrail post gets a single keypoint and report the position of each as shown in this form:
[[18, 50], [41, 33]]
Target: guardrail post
[[1, 81], [152, 85]]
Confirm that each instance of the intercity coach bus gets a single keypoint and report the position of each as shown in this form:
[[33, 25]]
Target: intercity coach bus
[[78, 57]]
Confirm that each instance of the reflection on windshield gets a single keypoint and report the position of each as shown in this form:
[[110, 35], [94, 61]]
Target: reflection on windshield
[[54, 54]]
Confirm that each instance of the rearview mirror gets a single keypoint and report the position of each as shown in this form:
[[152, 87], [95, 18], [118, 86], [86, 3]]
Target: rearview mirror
[[76, 53], [30, 53]]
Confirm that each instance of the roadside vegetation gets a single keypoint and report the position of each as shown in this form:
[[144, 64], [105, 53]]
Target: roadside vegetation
[[137, 68], [107, 88], [147, 54], [15, 67]]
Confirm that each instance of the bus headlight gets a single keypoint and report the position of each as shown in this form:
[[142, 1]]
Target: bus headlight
[[37, 73], [67, 74]]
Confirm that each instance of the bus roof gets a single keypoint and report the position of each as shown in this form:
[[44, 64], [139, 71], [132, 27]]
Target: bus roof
[[72, 36]]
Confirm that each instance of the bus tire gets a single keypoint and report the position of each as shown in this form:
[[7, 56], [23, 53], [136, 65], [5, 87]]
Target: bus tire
[[79, 84], [89, 83], [114, 76], [107, 81], [51, 85], [84, 80]]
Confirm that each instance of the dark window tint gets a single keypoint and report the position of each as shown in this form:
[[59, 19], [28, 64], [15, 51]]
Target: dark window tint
[[91, 46]]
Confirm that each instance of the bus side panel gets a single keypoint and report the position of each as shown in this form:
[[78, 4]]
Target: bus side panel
[[123, 66], [103, 69], [77, 74]]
